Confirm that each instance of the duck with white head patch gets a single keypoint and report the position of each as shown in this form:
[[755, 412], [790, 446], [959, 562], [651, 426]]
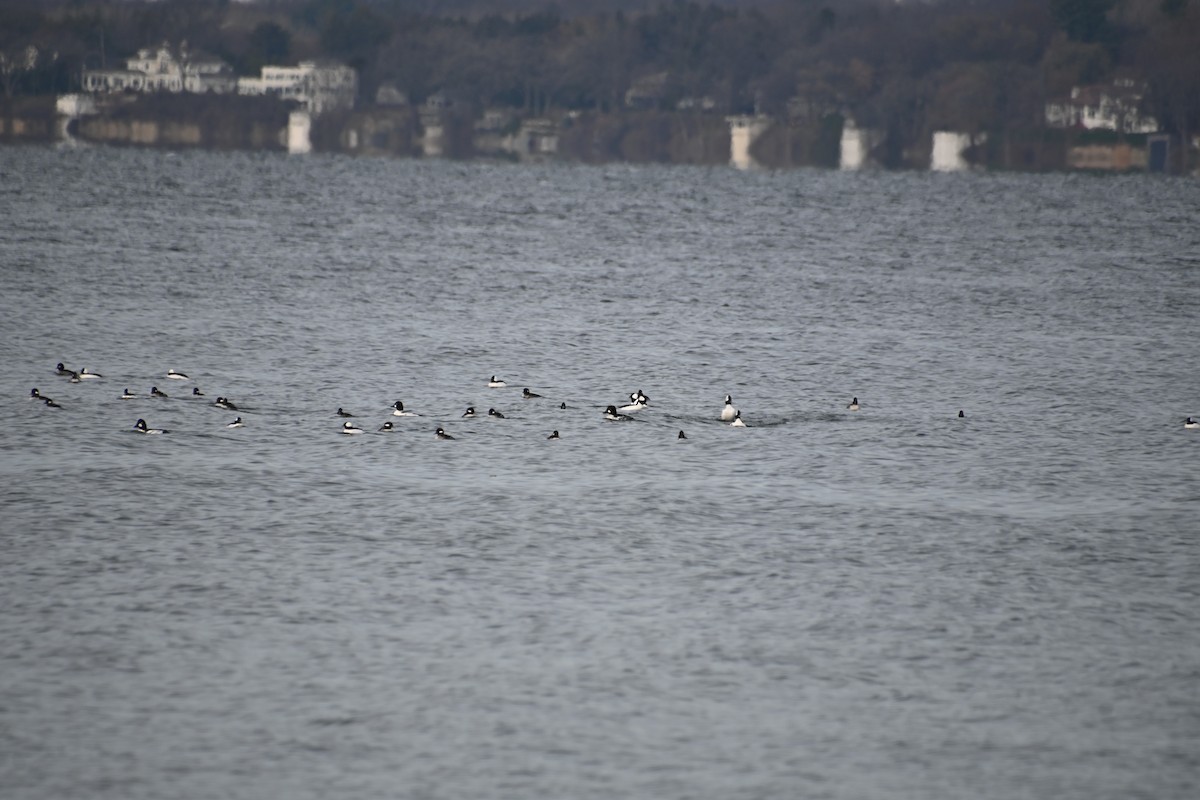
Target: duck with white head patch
[[613, 415], [729, 411], [398, 410], [637, 401]]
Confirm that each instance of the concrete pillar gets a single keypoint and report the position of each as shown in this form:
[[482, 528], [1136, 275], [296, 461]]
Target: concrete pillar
[[743, 131], [299, 135], [856, 146], [70, 107], [948, 149]]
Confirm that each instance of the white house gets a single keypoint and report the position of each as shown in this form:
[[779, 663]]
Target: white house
[[318, 86], [1114, 108], [164, 70]]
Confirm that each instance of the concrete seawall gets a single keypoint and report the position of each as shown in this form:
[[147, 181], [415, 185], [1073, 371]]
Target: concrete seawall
[[27, 119], [225, 122]]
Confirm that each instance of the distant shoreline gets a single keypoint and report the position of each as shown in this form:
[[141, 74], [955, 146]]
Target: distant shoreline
[[262, 124]]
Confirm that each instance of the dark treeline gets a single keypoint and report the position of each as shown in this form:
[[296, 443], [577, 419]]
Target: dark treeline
[[906, 69]]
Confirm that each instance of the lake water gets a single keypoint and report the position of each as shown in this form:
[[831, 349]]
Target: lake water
[[893, 602]]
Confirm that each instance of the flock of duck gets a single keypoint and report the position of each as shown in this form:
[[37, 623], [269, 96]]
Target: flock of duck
[[637, 401], [84, 374]]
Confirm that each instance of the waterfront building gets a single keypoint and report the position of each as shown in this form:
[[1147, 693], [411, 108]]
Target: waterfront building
[[1115, 107], [318, 86], [164, 69]]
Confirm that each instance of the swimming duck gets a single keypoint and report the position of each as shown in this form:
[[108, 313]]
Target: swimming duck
[[634, 405], [729, 411], [611, 413]]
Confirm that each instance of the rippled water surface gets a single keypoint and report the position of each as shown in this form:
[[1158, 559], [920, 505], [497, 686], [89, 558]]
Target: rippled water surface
[[888, 603]]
